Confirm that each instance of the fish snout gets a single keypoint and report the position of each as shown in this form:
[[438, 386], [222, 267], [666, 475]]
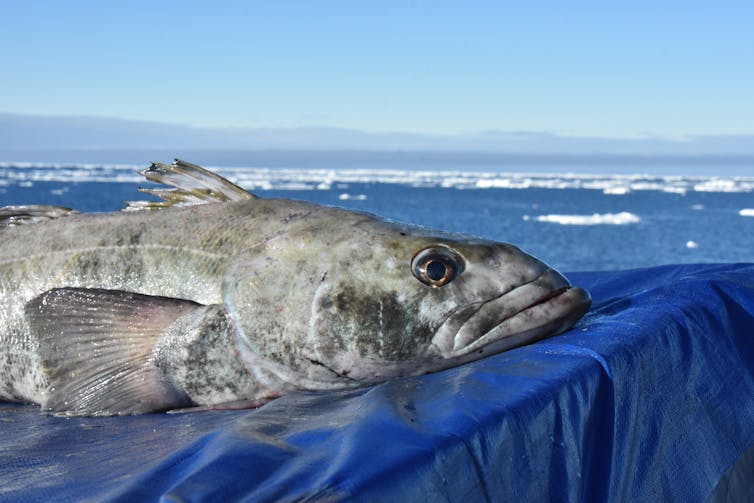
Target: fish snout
[[543, 307]]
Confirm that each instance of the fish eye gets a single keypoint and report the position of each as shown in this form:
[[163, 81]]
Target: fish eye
[[436, 266]]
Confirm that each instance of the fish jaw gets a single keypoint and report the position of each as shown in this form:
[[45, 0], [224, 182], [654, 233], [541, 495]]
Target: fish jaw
[[544, 307]]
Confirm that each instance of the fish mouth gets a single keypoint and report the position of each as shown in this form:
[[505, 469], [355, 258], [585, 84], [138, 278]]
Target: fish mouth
[[541, 308]]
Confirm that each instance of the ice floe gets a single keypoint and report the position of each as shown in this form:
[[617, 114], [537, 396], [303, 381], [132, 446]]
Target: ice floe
[[621, 218], [261, 178], [352, 197]]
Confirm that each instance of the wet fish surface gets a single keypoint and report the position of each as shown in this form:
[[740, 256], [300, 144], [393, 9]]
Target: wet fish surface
[[214, 298]]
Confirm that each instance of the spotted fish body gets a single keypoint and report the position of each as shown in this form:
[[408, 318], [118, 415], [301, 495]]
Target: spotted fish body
[[216, 298]]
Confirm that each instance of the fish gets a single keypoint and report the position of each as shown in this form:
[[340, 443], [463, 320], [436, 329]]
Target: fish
[[209, 297]]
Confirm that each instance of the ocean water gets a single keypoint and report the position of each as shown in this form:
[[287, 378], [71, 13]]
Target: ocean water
[[573, 222]]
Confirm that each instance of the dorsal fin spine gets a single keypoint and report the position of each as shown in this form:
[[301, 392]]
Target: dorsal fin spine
[[192, 185], [11, 216]]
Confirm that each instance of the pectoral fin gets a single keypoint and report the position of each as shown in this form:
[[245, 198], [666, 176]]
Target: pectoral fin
[[97, 348]]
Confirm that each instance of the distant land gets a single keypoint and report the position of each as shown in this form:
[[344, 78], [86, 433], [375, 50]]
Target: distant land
[[74, 139]]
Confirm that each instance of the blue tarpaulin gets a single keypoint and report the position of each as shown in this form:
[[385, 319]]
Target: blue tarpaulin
[[649, 398]]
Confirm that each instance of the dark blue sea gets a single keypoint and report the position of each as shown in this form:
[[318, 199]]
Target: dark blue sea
[[573, 222]]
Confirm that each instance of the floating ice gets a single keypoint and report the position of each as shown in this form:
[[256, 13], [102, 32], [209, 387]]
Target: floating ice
[[675, 190], [692, 244], [621, 218], [352, 197], [260, 178], [747, 212], [721, 185]]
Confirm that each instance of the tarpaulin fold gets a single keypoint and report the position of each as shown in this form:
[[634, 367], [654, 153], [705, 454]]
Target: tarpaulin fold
[[649, 398]]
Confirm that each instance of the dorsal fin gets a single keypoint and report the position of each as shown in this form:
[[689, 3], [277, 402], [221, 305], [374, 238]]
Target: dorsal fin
[[29, 214], [192, 185]]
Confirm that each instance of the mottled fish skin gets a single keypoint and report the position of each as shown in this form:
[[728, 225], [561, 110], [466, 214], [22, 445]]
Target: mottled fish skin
[[283, 295]]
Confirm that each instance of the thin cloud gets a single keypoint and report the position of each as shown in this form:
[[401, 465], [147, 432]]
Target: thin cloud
[[76, 132]]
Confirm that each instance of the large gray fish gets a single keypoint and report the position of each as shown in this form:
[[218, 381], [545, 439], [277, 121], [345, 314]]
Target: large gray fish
[[215, 298]]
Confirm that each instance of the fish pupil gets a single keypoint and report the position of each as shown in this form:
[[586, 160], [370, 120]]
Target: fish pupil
[[436, 270]]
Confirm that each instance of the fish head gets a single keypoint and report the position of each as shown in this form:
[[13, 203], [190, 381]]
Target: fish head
[[387, 301]]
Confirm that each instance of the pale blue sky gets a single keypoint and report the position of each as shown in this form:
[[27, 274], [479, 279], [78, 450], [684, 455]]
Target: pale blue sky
[[596, 68]]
